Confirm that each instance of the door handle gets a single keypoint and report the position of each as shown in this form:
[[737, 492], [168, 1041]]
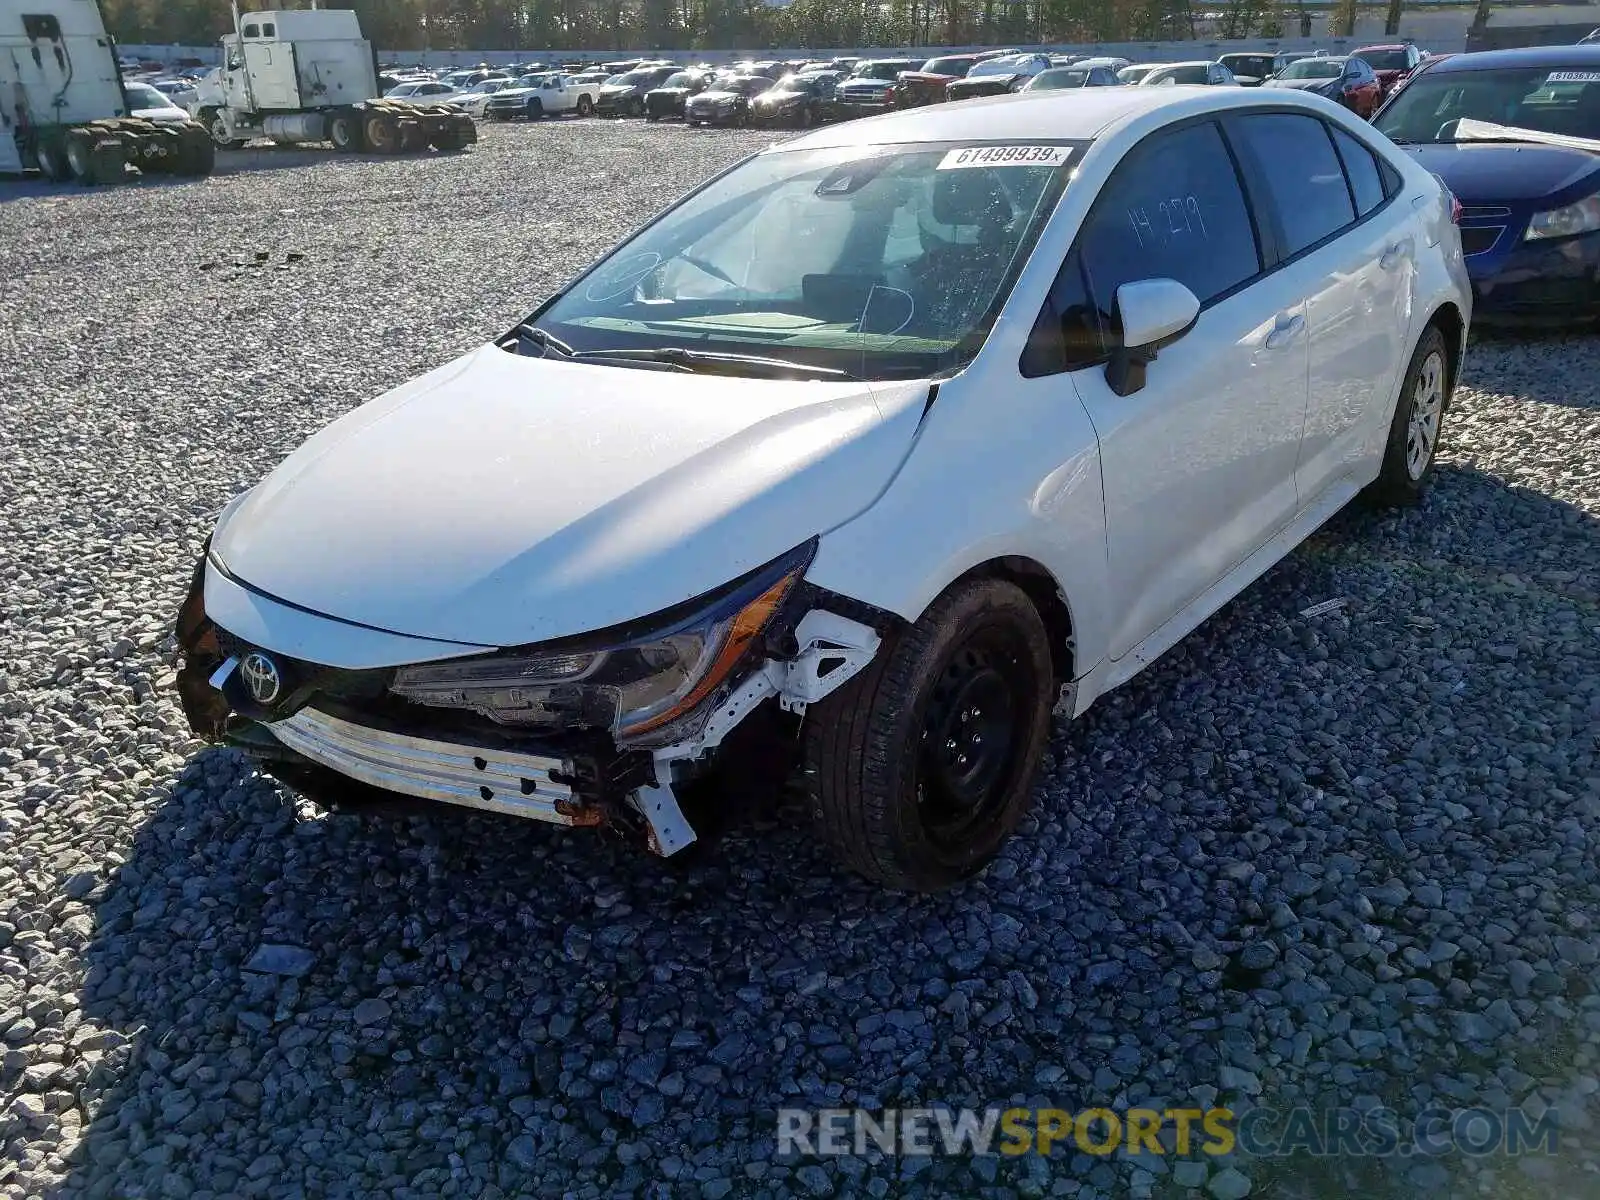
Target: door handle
[[1285, 331], [1394, 255]]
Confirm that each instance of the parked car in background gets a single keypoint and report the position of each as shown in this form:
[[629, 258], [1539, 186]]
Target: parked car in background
[[997, 76], [726, 102], [462, 80], [1059, 78], [548, 94], [1392, 63], [623, 95], [424, 91], [1250, 68], [1206, 73], [1066, 60], [1110, 62], [873, 87], [1350, 81], [475, 100], [1495, 126], [1009, 451], [668, 99], [153, 105], [796, 101], [181, 92], [1136, 73], [926, 85]]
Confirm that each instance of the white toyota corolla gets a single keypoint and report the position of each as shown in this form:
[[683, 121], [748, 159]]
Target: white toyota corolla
[[898, 435]]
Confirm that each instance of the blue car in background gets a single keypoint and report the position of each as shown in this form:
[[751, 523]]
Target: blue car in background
[[1515, 134]]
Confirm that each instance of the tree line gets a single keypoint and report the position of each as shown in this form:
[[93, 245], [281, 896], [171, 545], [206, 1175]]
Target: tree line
[[397, 26]]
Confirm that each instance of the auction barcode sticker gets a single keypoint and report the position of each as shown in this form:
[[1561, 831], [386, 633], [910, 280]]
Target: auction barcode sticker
[[1574, 77], [1005, 156]]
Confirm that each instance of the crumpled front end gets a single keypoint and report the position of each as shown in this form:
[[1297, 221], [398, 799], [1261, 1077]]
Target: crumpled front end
[[535, 732]]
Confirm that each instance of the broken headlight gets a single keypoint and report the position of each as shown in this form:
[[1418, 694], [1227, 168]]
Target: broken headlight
[[633, 681]]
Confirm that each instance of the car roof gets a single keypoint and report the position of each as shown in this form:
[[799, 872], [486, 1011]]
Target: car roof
[[1526, 56], [1381, 46], [1041, 116], [1189, 62]]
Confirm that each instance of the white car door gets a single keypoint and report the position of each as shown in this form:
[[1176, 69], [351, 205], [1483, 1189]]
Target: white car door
[[1355, 251], [1198, 465]]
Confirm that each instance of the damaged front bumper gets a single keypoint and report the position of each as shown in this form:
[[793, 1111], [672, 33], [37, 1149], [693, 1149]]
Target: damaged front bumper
[[326, 727]]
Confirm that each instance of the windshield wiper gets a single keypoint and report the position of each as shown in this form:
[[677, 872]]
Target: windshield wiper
[[707, 362], [529, 332]]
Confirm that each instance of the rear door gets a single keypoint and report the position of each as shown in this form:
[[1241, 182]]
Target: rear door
[[1198, 467], [1352, 249]]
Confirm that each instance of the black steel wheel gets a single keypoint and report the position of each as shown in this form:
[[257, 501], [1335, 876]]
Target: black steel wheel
[[922, 765]]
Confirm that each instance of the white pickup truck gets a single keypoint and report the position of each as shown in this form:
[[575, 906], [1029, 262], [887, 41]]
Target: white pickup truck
[[545, 95]]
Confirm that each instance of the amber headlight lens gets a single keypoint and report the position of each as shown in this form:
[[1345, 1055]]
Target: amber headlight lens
[[634, 687]]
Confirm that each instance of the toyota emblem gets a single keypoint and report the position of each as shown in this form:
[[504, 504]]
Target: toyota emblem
[[261, 676]]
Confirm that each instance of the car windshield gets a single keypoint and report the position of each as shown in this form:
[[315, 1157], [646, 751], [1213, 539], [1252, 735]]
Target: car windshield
[[143, 96], [884, 262], [1314, 68], [996, 66], [679, 79], [1193, 73], [1545, 99], [879, 71], [631, 79], [1384, 60], [947, 66], [1133, 74], [1248, 64], [1063, 77]]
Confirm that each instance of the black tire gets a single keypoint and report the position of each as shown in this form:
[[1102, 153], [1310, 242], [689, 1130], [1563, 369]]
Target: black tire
[[413, 137], [447, 140], [652, 116], [344, 131], [81, 164], [635, 107], [52, 159], [383, 134], [1409, 456], [534, 108], [212, 120], [585, 106], [197, 153], [907, 786]]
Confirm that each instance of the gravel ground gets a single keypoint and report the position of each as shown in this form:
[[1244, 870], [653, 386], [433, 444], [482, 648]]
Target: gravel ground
[[1347, 858]]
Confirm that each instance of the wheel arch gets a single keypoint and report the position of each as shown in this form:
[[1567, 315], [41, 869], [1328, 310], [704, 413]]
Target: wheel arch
[[1450, 322], [1048, 597]]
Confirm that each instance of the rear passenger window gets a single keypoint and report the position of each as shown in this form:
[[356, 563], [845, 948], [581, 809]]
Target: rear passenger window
[[1301, 175], [1361, 168], [269, 30]]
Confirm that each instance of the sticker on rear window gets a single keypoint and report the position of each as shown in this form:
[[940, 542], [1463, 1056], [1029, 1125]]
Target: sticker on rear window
[[1573, 77], [1004, 156]]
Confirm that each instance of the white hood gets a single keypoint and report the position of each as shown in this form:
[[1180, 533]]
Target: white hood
[[503, 500]]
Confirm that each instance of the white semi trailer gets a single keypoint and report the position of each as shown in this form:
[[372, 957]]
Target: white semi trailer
[[309, 76], [62, 107]]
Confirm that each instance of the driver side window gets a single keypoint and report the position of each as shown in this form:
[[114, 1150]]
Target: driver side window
[[1173, 209]]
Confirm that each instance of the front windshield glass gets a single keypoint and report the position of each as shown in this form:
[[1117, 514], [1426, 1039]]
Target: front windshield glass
[[1384, 60], [995, 66], [143, 96], [1133, 74], [885, 262], [1063, 78], [631, 79], [680, 79], [1248, 64], [947, 66], [879, 71], [1195, 73], [1314, 68], [1546, 99]]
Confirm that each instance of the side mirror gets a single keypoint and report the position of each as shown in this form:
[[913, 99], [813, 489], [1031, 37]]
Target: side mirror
[[1152, 313]]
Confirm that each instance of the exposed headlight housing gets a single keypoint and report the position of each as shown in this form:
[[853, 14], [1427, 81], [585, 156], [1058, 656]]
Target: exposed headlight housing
[[1582, 217], [643, 683]]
